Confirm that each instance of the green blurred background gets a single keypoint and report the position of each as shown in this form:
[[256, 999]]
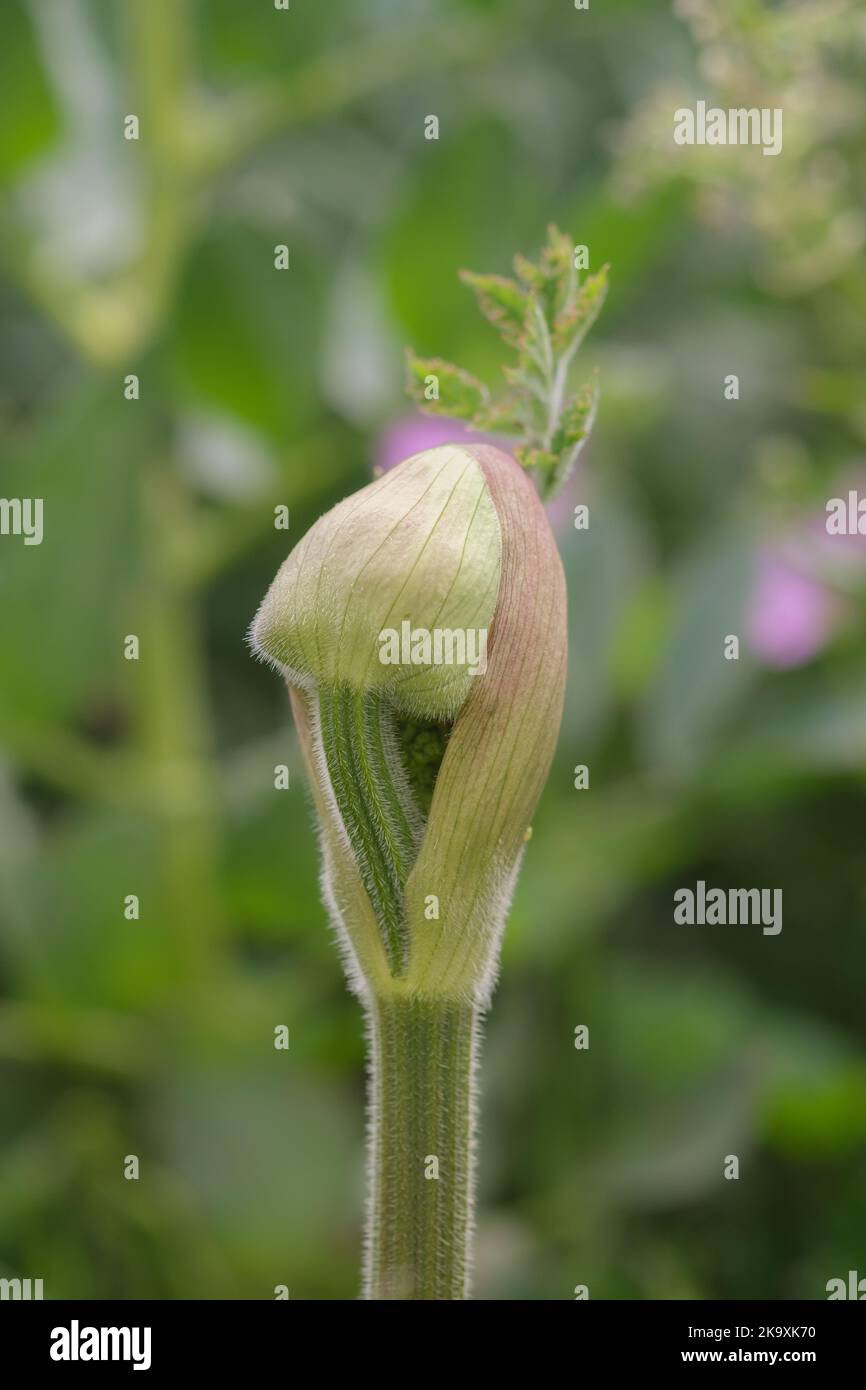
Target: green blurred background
[[260, 388]]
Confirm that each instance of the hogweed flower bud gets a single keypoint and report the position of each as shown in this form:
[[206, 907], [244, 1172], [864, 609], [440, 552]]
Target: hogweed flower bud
[[421, 628]]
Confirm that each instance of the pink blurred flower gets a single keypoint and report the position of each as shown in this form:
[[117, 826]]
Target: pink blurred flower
[[416, 432], [791, 614]]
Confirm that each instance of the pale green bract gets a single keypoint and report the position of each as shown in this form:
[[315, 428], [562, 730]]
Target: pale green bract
[[421, 544]]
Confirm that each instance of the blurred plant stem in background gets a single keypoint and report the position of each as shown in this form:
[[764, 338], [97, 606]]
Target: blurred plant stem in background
[[188, 140], [175, 740]]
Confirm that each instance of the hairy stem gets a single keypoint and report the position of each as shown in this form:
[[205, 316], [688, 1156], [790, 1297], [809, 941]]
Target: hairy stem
[[421, 1148], [421, 1100]]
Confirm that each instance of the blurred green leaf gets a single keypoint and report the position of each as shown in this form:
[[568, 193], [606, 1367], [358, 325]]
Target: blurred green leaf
[[28, 115]]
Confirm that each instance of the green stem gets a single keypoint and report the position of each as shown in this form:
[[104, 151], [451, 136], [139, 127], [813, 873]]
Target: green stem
[[422, 1051], [421, 1148], [174, 734]]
